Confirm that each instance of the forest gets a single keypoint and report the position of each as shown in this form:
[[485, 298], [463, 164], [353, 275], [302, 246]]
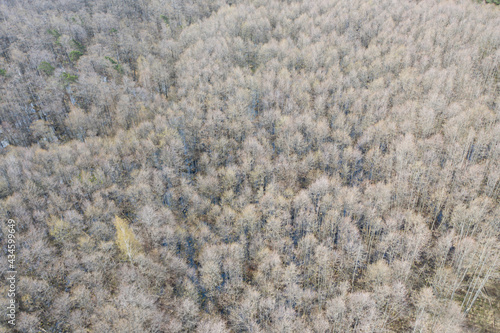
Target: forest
[[217, 166]]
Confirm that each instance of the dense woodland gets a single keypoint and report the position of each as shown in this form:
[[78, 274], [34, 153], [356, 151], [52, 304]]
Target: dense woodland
[[251, 166]]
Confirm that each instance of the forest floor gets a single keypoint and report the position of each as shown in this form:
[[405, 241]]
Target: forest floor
[[485, 314]]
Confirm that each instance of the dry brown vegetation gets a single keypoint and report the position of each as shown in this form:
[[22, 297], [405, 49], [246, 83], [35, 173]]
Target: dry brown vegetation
[[251, 166]]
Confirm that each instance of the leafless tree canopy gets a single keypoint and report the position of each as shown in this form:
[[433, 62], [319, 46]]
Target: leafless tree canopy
[[251, 166]]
